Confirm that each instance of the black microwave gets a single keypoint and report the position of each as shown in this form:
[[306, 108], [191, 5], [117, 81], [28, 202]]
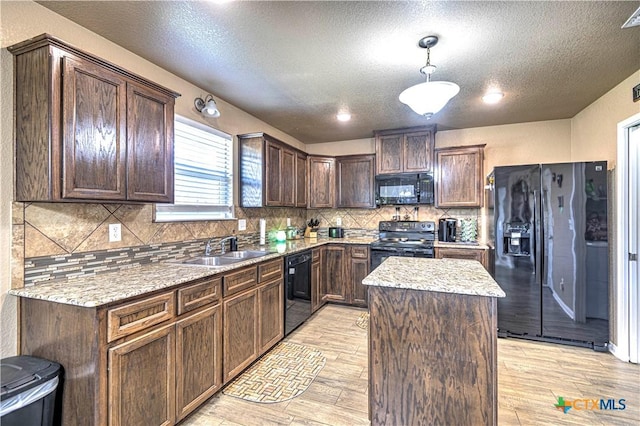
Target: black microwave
[[404, 188]]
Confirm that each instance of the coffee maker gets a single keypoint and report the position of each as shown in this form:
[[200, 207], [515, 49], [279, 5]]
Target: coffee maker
[[447, 230]]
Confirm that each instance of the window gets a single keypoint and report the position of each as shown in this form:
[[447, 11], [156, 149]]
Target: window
[[203, 180]]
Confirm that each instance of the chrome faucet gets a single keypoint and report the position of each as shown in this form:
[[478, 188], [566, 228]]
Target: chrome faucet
[[233, 244], [208, 248]]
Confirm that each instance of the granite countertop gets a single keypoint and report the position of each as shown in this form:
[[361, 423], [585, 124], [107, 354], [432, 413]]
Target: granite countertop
[[439, 275], [108, 288]]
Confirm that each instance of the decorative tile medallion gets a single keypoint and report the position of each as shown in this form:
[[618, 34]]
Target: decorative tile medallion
[[363, 320], [282, 374]]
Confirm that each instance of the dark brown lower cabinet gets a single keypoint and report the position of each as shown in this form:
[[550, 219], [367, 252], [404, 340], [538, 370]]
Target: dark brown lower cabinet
[[333, 274], [240, 333], [358, 270], [463, 253], [198, 359], [271, 318], [141, 380], [343, 267], [154, 359]]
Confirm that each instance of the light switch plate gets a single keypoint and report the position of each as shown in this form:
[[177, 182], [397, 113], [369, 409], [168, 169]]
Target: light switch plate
[[242, 224], [115, 232]]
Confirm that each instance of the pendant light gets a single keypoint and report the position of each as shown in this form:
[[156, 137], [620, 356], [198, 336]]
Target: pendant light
[[431, 96]]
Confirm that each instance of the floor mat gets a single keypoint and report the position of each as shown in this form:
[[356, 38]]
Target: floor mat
[[282, 374], [363, 320]]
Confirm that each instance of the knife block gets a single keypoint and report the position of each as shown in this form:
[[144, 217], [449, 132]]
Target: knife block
[[310, 232]]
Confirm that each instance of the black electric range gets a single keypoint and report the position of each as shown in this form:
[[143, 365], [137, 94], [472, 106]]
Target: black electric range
[[403, 238]]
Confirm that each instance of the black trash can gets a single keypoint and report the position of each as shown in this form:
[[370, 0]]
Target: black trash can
[[29, 388]]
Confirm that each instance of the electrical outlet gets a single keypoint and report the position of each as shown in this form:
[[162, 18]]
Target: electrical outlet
[[115, 232], [242, 224], [339, 221]]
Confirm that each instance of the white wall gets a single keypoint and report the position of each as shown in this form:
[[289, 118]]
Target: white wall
[[594, 129]]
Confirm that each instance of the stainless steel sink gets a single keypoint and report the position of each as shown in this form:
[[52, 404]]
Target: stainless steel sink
[[210, 261], [224, 259], [244, 254]]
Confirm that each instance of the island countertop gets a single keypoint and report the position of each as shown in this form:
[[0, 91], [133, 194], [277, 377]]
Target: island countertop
[[438, 275]]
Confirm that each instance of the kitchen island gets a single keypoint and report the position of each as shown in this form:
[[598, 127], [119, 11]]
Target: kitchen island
[[432, 342]]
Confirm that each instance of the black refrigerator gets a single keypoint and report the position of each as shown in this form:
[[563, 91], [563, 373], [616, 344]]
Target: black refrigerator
[[551, 252]]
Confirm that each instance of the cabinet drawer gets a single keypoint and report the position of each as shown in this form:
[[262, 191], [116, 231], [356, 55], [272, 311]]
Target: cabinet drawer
[[315, 255], [361, 252], [270, 270], [128, 319], [199, 294], [235, 282]]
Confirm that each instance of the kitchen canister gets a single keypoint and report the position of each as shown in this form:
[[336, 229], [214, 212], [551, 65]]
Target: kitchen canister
[[468, 230]]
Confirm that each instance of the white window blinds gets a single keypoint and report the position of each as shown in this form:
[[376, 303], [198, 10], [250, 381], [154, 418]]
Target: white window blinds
[[203, 180]]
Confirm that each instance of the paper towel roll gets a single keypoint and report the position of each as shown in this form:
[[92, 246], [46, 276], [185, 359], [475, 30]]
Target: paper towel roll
[[263, 231]]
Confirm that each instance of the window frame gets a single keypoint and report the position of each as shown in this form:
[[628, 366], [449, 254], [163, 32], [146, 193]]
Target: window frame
[[193, 212]]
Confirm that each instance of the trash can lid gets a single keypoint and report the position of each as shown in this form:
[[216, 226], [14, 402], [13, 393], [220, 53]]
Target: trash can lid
[[19, 373]]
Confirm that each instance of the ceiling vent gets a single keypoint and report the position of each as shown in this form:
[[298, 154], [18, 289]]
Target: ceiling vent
[[634, 20]]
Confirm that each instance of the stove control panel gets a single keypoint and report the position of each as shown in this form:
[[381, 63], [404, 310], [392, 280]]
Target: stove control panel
[[407, 226]]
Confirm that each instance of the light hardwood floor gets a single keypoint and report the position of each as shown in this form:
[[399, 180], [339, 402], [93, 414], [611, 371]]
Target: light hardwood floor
[[530, 378]]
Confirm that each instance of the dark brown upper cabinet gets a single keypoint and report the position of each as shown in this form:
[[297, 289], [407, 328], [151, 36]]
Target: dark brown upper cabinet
[[322, 182], [355, 181], [88, 130], [459, 181], [345, 181], [272, 173], [408, 150]]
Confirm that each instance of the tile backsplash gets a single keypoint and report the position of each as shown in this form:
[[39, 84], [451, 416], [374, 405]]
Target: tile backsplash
[[53, 240], [369, 218], [42, 230]]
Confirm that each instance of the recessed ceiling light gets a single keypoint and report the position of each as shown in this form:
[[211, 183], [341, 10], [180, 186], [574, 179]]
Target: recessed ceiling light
[[343, 116], [492, 97]]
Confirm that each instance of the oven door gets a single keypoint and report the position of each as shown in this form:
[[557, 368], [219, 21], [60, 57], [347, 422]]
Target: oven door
[[378, 255]]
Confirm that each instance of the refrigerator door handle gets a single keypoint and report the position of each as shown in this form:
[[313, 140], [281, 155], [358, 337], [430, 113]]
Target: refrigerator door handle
[[538, 235]]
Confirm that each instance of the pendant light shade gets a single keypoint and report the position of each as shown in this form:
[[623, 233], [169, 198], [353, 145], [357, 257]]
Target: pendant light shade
[[431, 96]]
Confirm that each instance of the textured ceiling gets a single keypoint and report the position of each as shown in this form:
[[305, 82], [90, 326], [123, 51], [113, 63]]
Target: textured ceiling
[[296, 64]]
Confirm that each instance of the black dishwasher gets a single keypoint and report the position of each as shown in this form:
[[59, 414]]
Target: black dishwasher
[[297, 295]]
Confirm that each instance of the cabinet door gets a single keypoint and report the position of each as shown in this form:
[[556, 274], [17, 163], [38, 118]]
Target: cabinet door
[[142, 380], [389, 153], [273, 173], [335, 286], [355, 176], [149, 145], [459, 182], [358, 270], [271, 314], [94, 122], [301, 180], [288, 178], [321, 182], [455, 253], [240, 335], [198, 359], [418, 151]]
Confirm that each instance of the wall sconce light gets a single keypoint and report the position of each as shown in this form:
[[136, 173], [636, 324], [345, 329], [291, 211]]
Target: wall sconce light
[[207, 107]]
